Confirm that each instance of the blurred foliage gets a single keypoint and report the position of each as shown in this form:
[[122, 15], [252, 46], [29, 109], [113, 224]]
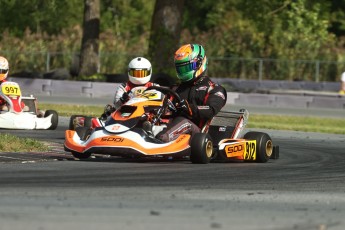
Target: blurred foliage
[[39, 16], [287, 39]]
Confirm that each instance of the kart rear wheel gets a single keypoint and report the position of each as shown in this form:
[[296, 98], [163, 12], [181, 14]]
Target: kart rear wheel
[[220, 156], [81, 155], [71, 122], [264, 145], [54, 120], [87, 121], [201, 148]]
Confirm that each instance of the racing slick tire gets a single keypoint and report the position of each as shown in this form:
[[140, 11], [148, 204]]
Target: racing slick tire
[[81, 155], [201, 148], [71, 122], [219, 156], [264, 145], [87, 121], [55, 118]]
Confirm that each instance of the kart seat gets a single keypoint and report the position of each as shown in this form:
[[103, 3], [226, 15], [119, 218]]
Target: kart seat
[[228, 125]]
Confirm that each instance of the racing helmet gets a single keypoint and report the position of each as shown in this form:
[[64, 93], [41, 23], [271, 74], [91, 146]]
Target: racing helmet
[[190, 62], [3, 68], [139, 71]]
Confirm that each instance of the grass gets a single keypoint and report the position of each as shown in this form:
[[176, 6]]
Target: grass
[[69, 109], [10, 143], [281, 122], [298, 123]]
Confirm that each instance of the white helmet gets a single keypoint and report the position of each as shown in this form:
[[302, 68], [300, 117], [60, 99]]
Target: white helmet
[[3, 68], [139, 71]]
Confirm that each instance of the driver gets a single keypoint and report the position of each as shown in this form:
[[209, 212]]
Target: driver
[[201, 98], [4, 67], [139, 76]]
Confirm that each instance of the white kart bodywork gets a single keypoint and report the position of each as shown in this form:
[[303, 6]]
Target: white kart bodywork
[[24, 120], [18, 116]]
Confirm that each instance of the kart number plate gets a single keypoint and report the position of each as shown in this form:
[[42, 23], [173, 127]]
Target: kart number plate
[[244, 150], [10, 90], [250, 151]]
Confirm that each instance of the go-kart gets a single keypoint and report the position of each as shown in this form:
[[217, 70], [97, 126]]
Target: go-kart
[[17, 116], [131, 131]]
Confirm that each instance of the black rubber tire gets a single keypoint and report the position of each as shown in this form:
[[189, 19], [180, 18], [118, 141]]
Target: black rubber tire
[[201, 148], [87, 121], [264, 145], [54, 120], [71, 123], [81, 155], [220, 156]]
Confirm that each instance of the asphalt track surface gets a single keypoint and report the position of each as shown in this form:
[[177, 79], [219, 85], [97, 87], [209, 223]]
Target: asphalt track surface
[[304, 189]]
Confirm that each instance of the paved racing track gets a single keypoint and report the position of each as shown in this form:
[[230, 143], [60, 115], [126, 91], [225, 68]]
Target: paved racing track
[[304, 189]]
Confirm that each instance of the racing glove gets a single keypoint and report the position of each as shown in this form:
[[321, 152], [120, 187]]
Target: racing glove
[[185, 108], [124, 97], [108, 109]]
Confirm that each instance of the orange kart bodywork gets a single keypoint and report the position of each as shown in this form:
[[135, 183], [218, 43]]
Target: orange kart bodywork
[[232, 144], [239, 149], [128, 143], [131, 130]]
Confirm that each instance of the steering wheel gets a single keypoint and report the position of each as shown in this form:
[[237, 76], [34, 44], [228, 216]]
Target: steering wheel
[[166, 91]]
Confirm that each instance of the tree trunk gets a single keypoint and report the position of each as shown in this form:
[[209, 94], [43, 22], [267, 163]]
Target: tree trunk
[[165, 35], [89, 54]]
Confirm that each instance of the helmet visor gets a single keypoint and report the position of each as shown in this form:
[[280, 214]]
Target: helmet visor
[[183, 68], [139, 73], [3, 71]]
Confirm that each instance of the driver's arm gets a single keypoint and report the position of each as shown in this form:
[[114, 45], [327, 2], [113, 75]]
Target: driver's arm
[[215, 100], [119, 92]]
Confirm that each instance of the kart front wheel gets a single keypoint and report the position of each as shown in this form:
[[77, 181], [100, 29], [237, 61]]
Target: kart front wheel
[[81, 155], [201, 148], [264, 145], [54, 120]]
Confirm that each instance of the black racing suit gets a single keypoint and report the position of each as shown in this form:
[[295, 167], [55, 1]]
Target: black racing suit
[[205, 99]]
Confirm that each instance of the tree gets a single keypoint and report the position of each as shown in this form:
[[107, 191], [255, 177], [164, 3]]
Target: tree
[[165, 34], [89, 57], [337, 17], [39, 16]]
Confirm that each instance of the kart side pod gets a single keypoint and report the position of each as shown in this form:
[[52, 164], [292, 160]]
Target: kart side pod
[[255, 146]]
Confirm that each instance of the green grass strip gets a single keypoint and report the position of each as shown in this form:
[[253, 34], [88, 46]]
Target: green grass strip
[[278, 122], [11, 143]]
